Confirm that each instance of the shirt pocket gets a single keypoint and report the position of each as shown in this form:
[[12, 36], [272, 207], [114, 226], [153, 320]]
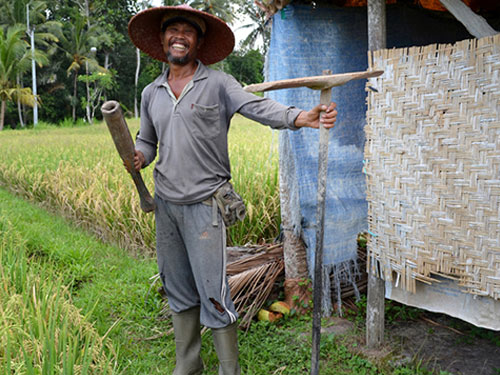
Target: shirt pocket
[[206, 120]]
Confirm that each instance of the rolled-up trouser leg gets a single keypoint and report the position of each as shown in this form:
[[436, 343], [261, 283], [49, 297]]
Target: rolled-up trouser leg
[[226, 346], [187, 342]]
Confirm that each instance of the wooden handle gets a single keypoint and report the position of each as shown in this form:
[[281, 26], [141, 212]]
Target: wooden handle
[[316, 82], [326, 97], [113, 115]]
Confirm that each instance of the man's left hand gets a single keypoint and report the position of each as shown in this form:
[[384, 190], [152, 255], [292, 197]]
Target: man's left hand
[[312, 119]]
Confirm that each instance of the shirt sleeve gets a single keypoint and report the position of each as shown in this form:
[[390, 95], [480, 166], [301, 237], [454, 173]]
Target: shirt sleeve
[[146, 140], [263, 110]]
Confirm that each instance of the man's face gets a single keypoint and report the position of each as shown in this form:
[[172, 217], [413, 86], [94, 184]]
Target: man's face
[[180, 43]]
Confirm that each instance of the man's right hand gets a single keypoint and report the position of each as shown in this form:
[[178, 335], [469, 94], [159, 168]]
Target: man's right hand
[[139, 160]]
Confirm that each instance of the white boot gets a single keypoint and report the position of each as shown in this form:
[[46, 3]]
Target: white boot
[[187, 342], [226, 346]]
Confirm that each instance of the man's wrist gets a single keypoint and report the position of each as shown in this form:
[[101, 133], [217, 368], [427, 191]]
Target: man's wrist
[[300, 120]]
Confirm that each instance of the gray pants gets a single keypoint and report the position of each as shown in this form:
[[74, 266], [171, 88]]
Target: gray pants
[[191, 255]]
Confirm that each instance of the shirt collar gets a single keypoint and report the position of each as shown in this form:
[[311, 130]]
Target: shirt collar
[[200, 73]]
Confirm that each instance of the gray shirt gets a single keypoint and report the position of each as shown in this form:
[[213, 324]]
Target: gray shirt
[[190, 133]]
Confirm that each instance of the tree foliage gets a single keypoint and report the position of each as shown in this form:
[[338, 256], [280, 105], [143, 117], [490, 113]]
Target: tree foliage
[[70, 76], [247, 67], [14, 60], [257, 26]]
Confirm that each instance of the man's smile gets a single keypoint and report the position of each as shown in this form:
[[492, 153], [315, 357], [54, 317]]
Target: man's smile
[[179, 46]]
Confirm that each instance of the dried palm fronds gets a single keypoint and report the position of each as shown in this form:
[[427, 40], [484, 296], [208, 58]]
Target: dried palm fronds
[[252, 279], [263, 254]]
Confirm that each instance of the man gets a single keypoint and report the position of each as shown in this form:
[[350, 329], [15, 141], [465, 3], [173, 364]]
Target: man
[[185, 116]]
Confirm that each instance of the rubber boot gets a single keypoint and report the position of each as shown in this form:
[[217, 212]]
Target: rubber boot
[[226, 346], [187, 342]]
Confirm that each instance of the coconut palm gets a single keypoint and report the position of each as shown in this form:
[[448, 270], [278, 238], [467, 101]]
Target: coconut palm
[[15, 12], [76, 43], [15, 58], [258, 24], [220, 8]]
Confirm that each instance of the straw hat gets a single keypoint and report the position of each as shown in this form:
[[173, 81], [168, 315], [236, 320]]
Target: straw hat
[[145, 27]]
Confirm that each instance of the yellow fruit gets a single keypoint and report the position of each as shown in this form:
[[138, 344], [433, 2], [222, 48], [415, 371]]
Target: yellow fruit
[[280, 307], [268, 316]]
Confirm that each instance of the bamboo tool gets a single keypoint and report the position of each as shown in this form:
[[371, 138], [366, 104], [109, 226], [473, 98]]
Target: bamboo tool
[[325, 84], [112, 113]]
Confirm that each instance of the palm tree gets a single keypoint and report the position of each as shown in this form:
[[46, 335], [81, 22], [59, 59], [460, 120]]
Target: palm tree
[[258, 24], [15, 12], [76, 44], [15, 58], [220, 8]]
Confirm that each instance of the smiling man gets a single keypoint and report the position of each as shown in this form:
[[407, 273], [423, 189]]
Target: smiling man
[[185, 117]]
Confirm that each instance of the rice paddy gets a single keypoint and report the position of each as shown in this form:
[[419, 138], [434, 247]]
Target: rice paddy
[[78, 173]]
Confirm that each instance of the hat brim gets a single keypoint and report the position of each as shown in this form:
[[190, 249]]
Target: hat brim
[[145, 27]]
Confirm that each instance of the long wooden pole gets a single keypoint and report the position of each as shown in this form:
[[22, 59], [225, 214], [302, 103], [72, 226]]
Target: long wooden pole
[[326, 97], [376, 287]]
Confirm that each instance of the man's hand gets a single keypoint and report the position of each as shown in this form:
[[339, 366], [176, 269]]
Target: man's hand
[[311, 119], [139, 161]]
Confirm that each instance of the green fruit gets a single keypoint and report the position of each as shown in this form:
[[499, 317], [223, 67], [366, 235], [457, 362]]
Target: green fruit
[[268, 316], [280, 307]]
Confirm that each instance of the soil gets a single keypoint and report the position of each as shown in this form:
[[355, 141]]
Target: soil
[[434, 341], [465, 350]]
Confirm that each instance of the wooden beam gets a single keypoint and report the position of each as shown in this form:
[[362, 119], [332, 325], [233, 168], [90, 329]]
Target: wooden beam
[[375, 307], [377, 34], [474, 23]]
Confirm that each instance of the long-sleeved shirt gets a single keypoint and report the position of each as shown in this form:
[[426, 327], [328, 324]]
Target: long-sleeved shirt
[[190, 132]]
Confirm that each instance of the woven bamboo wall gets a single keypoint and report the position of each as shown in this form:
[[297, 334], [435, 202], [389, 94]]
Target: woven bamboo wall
[[433, 165]]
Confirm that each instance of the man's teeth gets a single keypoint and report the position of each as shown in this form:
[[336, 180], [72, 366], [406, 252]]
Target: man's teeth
[[178, 47]]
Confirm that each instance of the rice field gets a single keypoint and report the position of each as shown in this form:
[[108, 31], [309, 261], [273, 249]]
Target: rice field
[[77, 172], [42, 331]]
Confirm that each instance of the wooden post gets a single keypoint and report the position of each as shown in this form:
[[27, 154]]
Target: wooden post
[[376, 286]]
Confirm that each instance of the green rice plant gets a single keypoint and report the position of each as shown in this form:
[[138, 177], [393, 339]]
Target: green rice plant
[[42, 331], [77, 172], [253, 151]]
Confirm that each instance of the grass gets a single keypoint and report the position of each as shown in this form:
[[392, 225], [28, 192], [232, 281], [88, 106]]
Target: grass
[[97, 298], [77, 172]]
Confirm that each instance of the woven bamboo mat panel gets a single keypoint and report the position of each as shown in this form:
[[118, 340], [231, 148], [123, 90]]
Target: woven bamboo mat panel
[[433, 165]]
